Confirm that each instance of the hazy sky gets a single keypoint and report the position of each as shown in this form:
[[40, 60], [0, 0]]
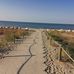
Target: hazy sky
[[59, 11]]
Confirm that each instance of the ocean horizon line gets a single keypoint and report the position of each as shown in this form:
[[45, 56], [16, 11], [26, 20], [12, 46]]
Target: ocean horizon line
[[37, 25], [34, 22]]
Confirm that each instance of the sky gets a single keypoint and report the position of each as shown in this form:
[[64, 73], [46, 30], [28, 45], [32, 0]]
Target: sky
[[45, 11]]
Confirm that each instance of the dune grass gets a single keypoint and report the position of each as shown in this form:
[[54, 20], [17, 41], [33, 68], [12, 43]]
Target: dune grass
[[8, 36], [65, 42]]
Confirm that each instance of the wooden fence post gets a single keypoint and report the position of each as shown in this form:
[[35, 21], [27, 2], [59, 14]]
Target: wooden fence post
[[60, 54]]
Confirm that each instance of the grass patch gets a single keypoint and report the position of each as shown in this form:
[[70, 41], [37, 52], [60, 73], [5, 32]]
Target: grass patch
[[68, 46]]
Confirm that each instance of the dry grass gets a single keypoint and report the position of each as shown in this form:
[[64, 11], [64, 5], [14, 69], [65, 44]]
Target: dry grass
[[8, 35], [66, 39]]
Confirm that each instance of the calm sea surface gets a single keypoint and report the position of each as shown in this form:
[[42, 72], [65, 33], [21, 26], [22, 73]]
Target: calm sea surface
[[37, 25]]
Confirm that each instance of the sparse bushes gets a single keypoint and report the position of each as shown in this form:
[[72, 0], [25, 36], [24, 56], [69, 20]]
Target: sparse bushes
[[9, 36], [67, 45], [26, 33]]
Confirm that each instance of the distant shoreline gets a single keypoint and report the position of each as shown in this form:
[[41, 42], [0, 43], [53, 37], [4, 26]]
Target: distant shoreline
[[36, 22], [37, 25]]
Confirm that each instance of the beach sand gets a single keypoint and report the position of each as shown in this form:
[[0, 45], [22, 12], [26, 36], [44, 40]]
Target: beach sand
[[14, 60]]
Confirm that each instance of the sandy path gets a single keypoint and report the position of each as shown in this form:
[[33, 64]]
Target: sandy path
[[35, 64], [11, 65]]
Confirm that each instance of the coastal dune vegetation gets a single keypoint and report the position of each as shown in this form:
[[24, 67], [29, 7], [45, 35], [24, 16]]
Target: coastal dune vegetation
[[66, 39], [8, 37]]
